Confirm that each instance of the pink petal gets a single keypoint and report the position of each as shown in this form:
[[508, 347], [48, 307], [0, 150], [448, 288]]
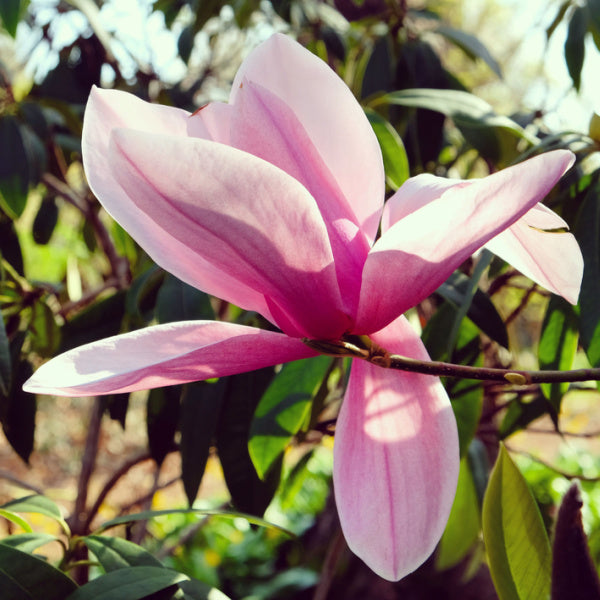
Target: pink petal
[[396, 460], [265, 126], [163, 355], [551, 259], [331, 117], [107, 110], [246, 217], [419, 252]]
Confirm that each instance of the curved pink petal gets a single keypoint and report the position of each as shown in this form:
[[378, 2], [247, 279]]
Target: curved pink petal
[[419, 252], [331, 117], [263, 125], [163, 355], [108, 110], [551, 259], [246, 217], [396, 460]]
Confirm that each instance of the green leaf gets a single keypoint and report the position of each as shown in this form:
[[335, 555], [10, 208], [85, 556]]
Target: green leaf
[[481, 309], [197, 590], [5, 360], [395, 160], [115, 553], [558, 345], [132, 583], [17, 413], [16, 519], [470, 45], [283, 410], [27, 542], [45, 221], [522, 411], [587, 232], [248, 492], [574, 574], [26, 577], [162, 418], [9, 14], [575, 43], [210, 512], [516, 542], [38, 505], [14, 168], [462, 529], [200, 409], [44, 331], [178, 301]]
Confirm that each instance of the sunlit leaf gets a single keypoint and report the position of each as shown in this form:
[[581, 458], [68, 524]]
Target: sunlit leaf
[[16, 519], [462, 529], [283, 410], [37, 504], [516, 542], [27, 542]]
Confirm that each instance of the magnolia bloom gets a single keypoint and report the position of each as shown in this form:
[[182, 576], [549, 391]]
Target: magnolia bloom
[[273, 202]]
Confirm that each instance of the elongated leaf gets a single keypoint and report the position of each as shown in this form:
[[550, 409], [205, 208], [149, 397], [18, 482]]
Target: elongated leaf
[[587, 232], [574, 574], [522, 411], [16, 519], [45, 221], [283, 410], [248, 492], [463, 525], [558, 345], [178, 301], [38, 505], [200, 409], [481, 309], [162, 418], [14, 169], [516, 542], [5, 361], [470, 45], [27, 542], [151, 514], [132, 583], [9, 14], [115, 553], [197, 590], [25, 577], [575, 43], [395, 160]]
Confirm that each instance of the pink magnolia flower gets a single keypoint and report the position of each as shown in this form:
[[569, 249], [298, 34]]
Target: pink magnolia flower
[[273, 202]]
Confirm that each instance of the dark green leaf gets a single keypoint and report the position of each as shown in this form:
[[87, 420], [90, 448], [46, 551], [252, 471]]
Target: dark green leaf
[[200, 409], [45, 221], [575, 43], [470, 45], [162, 418], [462, 529], [558, 345], [9, 14], [185, 43], [131, 583], [28, 542], [14, 168], [142, 294], [522, 411], [151, 514], [516, 542], [481, 309], [5, 361], [178, 301], [395, 160], [17, 412], [574, 574], [117, 405], [10, 247], [38, 505], [248, 492], [284, 409], [101, 319], [196, 590], [587, 232], [44, 331], [115, 553], [25, 577]]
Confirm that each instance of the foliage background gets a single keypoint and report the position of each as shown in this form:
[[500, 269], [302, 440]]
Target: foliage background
[[70, 275]]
